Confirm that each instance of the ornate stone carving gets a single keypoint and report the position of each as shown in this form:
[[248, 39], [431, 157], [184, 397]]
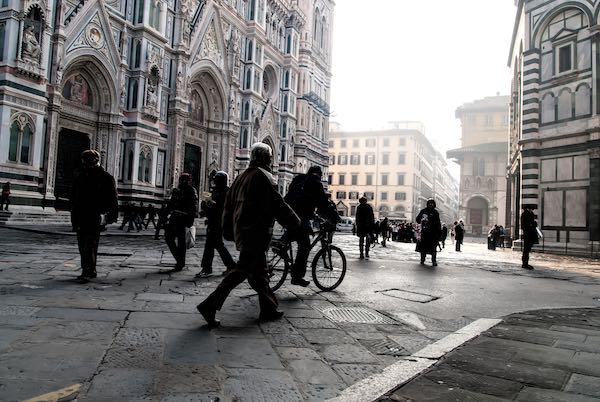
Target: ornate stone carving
[[209, 48]]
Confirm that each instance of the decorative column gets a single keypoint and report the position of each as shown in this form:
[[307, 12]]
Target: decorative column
[[594, 195]]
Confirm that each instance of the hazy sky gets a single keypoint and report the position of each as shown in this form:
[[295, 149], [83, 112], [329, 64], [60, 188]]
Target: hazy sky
[[418, 60]]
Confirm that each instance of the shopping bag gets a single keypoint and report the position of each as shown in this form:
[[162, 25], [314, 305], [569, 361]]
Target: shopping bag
[[539, 233], [190, 237]]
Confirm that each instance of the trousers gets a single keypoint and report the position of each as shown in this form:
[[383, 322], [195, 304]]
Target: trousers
[[87, 242], [175, 239], [252, 265], [214, 241]]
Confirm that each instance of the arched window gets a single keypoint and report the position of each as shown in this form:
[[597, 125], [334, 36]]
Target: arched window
[[130, 165], [284, 129], [19, 148], [316, 25], [246, 115], [285, 103], [282, 155], [144, 165], [244, 139], [248, 83], [286, 79], [322, 33]]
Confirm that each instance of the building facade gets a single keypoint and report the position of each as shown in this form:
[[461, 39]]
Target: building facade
[[397, 169], [554, 121], [483, 158], [159, 87]]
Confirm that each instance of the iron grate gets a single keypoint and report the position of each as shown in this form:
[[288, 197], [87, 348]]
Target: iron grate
[[356, 315]]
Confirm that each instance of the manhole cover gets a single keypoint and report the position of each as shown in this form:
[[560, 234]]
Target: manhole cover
[[356, 315], [408, 295], [384, 347]]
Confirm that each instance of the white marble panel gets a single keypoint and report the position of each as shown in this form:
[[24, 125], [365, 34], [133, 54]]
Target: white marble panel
[[584, 55], [549, 170], [582, 101], [576, 208], [548, 114], [553, 208], [546, 66], [565, 168], [581, 169], [565, 107]]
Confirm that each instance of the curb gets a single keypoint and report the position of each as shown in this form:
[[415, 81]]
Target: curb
[[376, 386]]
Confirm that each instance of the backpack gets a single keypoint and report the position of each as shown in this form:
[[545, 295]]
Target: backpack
[[296, 197]]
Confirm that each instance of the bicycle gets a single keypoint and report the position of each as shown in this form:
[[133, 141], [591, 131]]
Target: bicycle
[[328, 264]]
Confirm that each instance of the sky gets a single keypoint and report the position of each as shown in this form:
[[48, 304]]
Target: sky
[[418, 60]]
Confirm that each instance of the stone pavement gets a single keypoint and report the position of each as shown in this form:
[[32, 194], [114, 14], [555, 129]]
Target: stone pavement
[[544, 355], [134, 335]]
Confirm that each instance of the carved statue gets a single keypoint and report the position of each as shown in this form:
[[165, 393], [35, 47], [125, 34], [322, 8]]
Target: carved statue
[[152, 98], [31, 47]]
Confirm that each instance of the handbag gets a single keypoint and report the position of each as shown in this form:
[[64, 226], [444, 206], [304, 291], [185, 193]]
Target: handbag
[[190, 237]]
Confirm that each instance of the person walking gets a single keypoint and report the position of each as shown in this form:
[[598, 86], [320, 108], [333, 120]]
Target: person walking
[[530, 237], [251, 207], [365, 219], [384, 228], [151, 216], [5, 200], [162, 218], [444, 235], [431, 229], [459, 234], [304, 195], [213, 211], [93, 206], [181, 210]]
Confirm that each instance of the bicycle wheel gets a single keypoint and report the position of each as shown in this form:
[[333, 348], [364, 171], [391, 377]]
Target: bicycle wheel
[[278, 269], [329, 268]]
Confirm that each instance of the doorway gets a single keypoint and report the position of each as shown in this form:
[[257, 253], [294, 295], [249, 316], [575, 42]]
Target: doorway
[[191, 164], [70, 146]]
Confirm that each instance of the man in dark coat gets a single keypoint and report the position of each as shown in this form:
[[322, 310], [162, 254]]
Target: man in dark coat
[[93, 205], [444, 235], [181, 210], [530, 237], [365, 220], [459, 234], [431, 229], [304, 195], [213, 211], [251, 207]]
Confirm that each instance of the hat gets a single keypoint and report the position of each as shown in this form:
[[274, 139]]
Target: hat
[[90, 154]]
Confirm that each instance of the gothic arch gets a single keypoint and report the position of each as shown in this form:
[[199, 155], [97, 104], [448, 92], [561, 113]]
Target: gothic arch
[[536, 38], [206, 77], [101, 83]]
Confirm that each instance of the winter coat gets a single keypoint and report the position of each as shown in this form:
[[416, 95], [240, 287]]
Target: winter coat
[[365, 219], [93, 193], [214, 210], [529, 225], [431, 229], [444, 233], [305, 194], [183, 206], [459, 232], [251, 207]]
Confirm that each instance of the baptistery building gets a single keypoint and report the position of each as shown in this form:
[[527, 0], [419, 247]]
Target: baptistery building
[[159, 87], [554, 140]]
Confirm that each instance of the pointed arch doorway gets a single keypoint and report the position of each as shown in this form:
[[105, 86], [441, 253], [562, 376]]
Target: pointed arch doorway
[[70, 146]]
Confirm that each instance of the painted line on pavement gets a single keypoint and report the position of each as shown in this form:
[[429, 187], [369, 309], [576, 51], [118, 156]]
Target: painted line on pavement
[[65, 394], [375, 386]]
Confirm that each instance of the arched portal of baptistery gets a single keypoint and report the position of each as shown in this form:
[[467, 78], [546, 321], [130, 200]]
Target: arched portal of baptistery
[[87, 119]]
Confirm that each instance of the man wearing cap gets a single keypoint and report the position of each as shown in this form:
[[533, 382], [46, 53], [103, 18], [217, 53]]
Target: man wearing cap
[[93, 205], [181, 211], [251, 207]]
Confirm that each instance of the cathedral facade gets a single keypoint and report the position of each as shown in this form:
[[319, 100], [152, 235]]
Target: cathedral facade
[[159, 87]]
